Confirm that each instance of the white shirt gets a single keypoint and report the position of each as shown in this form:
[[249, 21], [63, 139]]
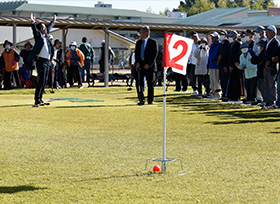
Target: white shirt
[[192, 59], [45, 49], [133, 58]]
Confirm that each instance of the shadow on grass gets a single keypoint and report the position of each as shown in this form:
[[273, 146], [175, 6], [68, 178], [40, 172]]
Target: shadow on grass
[[97, 106], [17, 189], [228, 113], [111, 177], [15, 106]]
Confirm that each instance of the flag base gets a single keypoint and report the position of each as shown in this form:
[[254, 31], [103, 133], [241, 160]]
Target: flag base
[[163, 165]]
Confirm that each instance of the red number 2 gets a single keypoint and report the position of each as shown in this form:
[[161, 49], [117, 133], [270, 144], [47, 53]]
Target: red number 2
[[181, 55]]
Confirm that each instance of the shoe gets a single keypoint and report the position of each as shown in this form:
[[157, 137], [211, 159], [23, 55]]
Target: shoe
[[195, 93], [225, 99], [150, 103], [81, 87], [254, 103], [45, 103], [141, 103], [38, 103]]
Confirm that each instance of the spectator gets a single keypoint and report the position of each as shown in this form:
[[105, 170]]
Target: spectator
[[28, 66], [102, 56], [258, 60], [192, 63], [259, 35], [89, 54], [10, 59], [234, 89], [223, 62], [213, 66], [270, 67], [75, 59], [250, 71], [249, 35], [60, 79], [201, 69]]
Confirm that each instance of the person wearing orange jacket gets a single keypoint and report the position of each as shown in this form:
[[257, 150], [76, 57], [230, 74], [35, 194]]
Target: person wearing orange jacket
[[10, 58], [75, 60]]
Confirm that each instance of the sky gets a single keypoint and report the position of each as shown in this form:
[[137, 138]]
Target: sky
[[142, 5]]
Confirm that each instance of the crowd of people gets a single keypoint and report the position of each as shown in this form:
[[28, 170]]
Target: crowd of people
[[51, 62], [235, 65]]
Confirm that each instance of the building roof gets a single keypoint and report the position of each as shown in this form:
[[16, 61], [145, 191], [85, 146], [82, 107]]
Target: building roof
[[214, 13], [87, 24], [28, 7], [216, 17]]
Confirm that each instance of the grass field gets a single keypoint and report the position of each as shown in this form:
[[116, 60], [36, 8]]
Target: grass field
[[95, 152]]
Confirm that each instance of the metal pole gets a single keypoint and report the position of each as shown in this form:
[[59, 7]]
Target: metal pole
[[15, 35], [164, 124], [106, 58], [64, 35]]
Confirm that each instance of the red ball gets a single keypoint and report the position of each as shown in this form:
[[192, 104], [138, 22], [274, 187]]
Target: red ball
[[156, 168]]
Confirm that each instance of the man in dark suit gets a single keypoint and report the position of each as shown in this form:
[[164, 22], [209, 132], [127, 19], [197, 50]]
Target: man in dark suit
[[146, 50], [42, 53], [234, 89], [270, 66]]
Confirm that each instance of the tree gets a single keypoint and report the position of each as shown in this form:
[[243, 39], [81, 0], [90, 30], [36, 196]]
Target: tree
[[197, 6], [165, 12]]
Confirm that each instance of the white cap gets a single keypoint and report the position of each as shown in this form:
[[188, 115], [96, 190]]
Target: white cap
[[215, 34], [272, 28], [51, 37], [103, 42], [74, 43]]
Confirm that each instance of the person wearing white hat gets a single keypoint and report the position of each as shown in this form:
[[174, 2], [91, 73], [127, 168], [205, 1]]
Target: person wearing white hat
[[270, 66], [75, 59], [214, 67]]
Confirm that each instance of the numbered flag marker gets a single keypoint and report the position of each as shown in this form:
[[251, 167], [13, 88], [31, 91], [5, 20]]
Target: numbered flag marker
[[176, 52]]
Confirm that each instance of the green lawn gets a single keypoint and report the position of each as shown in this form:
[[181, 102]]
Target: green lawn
[[95, 152]]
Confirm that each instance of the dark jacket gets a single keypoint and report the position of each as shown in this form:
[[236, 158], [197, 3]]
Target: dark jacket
[[234, 53], [271, 51], [39, 42], [60, 57], [258, 60], [150, 54], [88, 51], [224, 51]]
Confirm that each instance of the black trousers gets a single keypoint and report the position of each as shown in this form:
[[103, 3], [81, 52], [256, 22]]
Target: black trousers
[[150, 77], [191, 76], [7, 79], [181, 81], [77, 71], [251, 86], [205, 81], [43, 69], [234, 89], [224, 76]]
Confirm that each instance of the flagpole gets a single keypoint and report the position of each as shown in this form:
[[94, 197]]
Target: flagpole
[[164, 124]]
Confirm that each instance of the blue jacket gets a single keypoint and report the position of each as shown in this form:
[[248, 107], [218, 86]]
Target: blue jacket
[[213, 56]]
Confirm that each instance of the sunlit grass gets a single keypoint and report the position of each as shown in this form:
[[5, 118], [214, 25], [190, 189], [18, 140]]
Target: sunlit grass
[[95, 152]]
